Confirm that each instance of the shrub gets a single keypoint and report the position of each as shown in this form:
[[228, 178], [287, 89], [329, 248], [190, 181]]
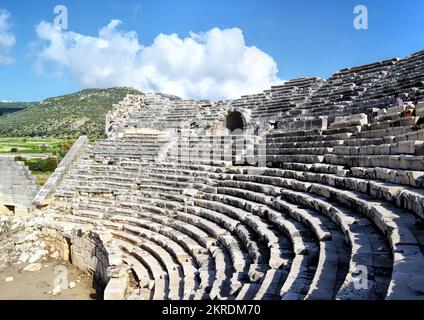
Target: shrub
[[43, 147], [65, 145], [50, 165], [42, 165]]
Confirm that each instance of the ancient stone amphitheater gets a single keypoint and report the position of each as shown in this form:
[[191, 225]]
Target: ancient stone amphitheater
[[310, 190]]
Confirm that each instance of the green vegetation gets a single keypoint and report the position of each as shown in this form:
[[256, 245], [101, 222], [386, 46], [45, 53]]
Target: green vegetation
[[42, 177], [81, 113], [10, 107], [41, 155], [51, 146], [40, 134], [52, 150], [41, 168], [42, 165]]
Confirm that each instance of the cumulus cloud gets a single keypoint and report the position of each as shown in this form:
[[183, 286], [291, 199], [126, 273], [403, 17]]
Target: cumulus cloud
[[7, 39], [216, 64]]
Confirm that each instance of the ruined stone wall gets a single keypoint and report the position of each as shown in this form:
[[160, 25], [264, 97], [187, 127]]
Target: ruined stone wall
[[17, 188], [120, 111], [17, 239], [27, 240], [92, 252], [5, 224]]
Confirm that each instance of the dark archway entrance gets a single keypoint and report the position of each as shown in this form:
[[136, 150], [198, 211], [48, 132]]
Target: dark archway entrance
[[235, 121], [11, 209]]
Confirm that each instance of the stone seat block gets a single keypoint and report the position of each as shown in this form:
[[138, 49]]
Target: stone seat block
[[295, 158]]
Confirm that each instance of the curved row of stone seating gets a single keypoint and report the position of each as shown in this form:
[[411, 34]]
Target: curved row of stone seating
[[144, 146], [405, 78], [304, 146], [160, 112], [170, 262], [227, 197], [197, 233], [344, 87], [212, 213], [166, 178], [231, 149], [348, 91], [211, 222], [398, 164], [283, 100], [244, 193], [248, 101], [248, 239], [392, 143], [91, 201], [231, 195], [325, 227], [401, 228]]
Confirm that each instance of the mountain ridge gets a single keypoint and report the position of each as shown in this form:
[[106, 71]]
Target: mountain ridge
[[70, 115], [7, 107]]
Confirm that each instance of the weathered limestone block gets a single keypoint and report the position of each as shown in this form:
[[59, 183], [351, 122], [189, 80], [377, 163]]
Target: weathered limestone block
[[406, 147], [396, 109], [300, 125], [116, 289], [407, 280], [419, 109], [412, 200], [349, 121]]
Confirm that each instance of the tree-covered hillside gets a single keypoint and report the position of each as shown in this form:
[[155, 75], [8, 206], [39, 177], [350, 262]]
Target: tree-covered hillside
[[10, 107], [81, 113]]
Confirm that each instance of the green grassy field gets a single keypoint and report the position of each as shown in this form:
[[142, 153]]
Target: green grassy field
[[29, 145]]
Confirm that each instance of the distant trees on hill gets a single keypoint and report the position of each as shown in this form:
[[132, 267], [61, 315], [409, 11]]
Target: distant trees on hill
[[81, 113]]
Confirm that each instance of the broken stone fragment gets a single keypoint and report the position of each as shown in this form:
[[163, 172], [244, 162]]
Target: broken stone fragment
[[116, 289], [56, 290], [33, 267], [55, 255], [115, 259], [23, 257], [37, 255]]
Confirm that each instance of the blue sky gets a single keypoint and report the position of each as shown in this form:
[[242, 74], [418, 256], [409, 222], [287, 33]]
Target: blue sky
[[303, 37]]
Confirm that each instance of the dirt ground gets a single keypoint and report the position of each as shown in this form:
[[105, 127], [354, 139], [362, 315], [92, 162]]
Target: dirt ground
[[39, 285]]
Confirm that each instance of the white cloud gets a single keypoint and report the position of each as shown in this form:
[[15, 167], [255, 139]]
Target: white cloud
[[216, 64], [7, 39]]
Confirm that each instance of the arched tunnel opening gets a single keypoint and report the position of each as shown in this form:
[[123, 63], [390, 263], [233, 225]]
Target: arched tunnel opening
[[235, 121], [7, 210]]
